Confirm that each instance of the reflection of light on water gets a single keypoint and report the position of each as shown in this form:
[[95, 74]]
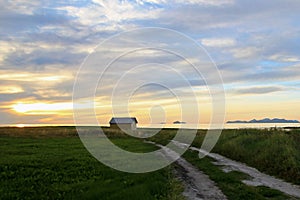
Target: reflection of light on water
[[35, 125], [261, 125]]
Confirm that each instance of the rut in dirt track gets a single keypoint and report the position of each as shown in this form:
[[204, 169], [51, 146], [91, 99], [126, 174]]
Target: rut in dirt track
[[258, 178], [198, 186]]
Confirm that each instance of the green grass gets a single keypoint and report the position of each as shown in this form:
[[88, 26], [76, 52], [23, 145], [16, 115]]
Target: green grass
[[52, 163], [43, 164], [275, 152], [230, 183], [164, 136]]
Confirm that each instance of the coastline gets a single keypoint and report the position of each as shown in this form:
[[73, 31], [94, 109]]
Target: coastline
[[167, 126]]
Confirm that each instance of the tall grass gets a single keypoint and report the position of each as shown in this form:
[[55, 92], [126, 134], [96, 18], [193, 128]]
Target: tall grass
[[274, 151]]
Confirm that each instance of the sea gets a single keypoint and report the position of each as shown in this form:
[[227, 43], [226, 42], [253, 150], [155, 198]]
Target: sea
[[225, 126], [185, 126]]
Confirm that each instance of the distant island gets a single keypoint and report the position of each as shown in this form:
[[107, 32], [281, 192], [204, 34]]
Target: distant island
[[266, 120], [178, 122]]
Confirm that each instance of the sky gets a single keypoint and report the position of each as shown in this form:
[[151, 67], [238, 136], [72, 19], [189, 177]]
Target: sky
[[254, 44]]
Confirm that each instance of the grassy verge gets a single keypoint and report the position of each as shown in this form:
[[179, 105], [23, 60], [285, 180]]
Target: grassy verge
[[37, 165], [275, 152]]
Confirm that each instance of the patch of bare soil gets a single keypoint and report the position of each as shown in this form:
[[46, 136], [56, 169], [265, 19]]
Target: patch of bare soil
[[197, 184]]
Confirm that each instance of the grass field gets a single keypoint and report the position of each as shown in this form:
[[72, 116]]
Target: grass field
[[51, 163]]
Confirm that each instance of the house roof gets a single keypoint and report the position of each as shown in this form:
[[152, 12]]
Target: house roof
[[123, 120]]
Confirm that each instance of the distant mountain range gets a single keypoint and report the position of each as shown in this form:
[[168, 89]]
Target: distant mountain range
[[266, 120]]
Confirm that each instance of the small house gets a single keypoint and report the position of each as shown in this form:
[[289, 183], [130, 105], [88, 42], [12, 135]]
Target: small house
[[126, 123]]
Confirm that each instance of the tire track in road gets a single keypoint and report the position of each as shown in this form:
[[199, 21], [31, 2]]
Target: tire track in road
[[258, 178], [198, 186]]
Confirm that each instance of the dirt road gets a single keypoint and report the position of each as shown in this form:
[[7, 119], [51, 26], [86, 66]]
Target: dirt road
[[198, 186], [258, 178]]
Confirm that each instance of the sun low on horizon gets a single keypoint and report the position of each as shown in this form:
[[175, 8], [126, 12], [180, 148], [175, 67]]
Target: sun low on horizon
[[44, 45]]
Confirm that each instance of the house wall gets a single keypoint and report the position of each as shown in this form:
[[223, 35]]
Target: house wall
[[131, 126], [114, 126]]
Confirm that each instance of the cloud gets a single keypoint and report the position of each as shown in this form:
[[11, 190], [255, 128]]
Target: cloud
[[10, 89], [54, 77], [15, 23], [245, 52], [110, 15], [218, 42], [199, 2], [42, 108], [20, 6], [45, 86], [258, 90], [284, 58], [43, 43]]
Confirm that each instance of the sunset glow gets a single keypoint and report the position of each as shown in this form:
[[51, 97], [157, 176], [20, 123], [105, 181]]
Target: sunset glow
[[43, 45], [20, 125], [41, 108]]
